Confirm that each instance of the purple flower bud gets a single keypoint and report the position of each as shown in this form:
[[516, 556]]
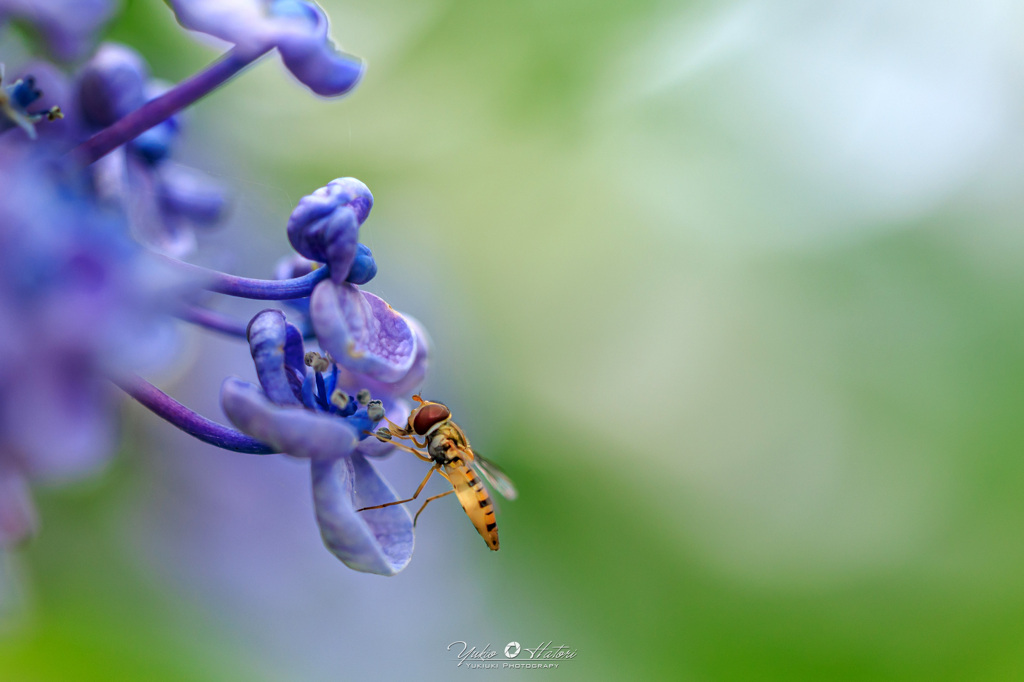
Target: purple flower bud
[[112, 84], [154, 145], [299, 30], [325, 224], [364, 267]]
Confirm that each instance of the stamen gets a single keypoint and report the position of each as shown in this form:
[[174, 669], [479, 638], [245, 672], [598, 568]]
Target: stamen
[[383, 434], [318, 362], [363, 397], [321, 391], [339, 399], [375, 410]]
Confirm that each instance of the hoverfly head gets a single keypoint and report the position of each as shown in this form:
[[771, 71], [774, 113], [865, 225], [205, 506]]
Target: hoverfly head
[[427, 417]]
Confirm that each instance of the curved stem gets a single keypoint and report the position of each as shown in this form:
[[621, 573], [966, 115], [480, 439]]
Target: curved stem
[[257, 289], [225, 324], [212, 320], [163, 107], [169, 409]]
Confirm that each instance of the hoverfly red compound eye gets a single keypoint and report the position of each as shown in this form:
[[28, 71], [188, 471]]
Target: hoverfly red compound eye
[[429, 415]]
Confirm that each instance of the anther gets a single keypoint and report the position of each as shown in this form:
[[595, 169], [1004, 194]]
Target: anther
[[339, 398], [375, 410], [318, 362], [363, 397], [383, 434]]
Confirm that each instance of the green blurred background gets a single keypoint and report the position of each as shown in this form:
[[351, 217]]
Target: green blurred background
[[733, 292]]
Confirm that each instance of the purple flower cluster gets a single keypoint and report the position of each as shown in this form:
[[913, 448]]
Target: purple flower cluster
[[94, 213]]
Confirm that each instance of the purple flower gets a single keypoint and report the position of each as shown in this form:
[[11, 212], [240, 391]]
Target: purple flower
[[15, 100], [301, 408], [165, 202], [299, 31], [76, 303], [67, 26]]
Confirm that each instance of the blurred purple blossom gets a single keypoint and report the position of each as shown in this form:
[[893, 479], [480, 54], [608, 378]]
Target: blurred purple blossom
[[15, 100], [165, 201], [68, 27], [78, 301]]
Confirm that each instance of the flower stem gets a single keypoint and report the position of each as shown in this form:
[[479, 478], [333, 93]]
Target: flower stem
[[225, 324], [166, 407], [163, 107], [257, 289]]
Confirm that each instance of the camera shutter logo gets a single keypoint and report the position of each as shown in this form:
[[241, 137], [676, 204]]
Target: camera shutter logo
[[512, 649]]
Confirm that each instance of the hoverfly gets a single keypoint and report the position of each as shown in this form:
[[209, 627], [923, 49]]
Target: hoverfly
[[449, 451]]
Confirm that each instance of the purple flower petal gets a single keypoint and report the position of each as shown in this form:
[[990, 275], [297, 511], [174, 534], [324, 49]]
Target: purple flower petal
[[325, 224], [406, 385], [374, 541], [268, 335], [294, 430], [361, 332], [298, 29]]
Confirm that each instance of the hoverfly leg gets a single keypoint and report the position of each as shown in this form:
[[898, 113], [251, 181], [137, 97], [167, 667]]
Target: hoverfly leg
[[413, 451], [429, 500], [403, 447], [434, 468]]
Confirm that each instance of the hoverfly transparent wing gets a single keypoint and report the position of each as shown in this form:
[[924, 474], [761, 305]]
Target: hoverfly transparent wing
[[495, 477]]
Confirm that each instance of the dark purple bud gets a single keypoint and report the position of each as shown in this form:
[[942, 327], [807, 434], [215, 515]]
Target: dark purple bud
[[112, 84], [364, 267], [325, 225], [154, 145]]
